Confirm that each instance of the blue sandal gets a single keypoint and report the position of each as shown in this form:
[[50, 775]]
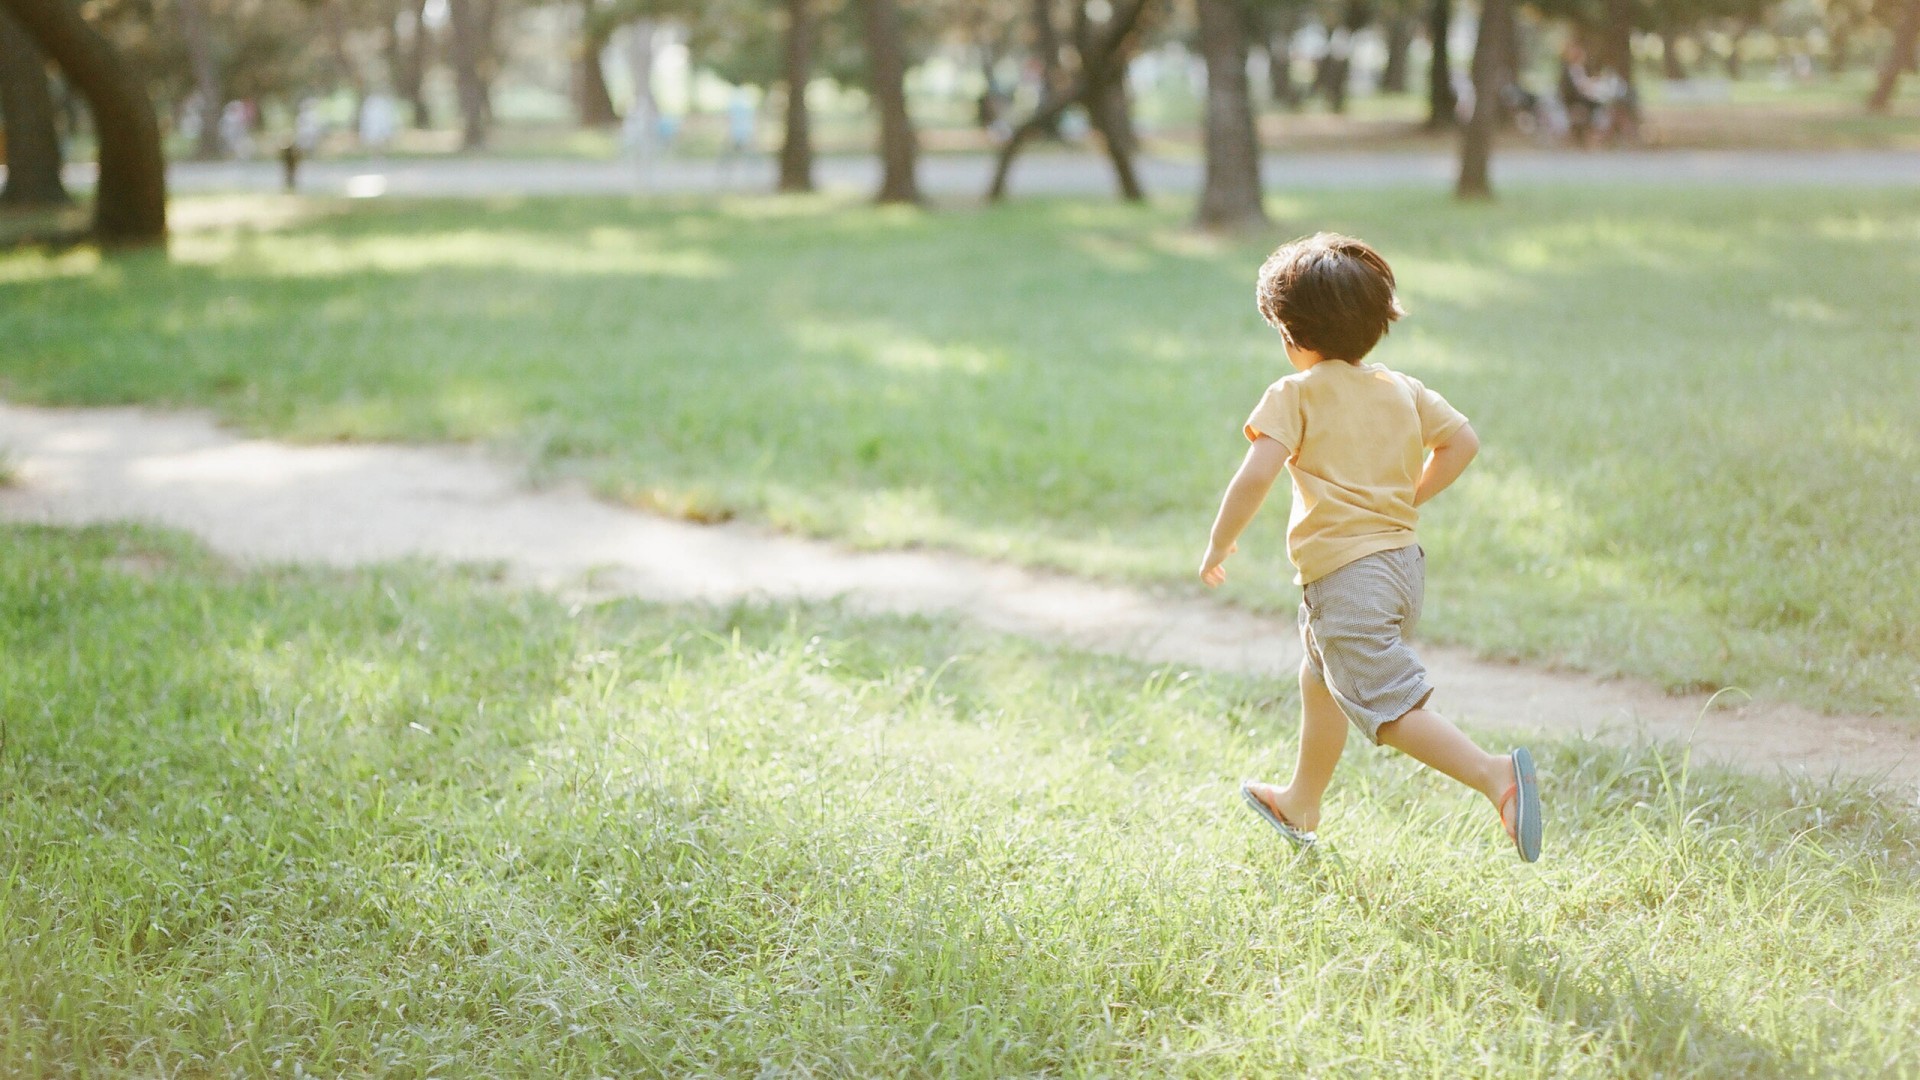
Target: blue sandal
[[1524, 796], [1301, 839]]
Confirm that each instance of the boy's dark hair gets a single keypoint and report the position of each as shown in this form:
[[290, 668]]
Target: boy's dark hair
[[1329, 293]]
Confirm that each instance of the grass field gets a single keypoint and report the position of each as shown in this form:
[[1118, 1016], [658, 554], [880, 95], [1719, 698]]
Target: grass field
[[409, 823], [1696, 404]]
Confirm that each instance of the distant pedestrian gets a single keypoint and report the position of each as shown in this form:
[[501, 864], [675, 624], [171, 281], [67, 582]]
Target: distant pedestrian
[[236, 133], [1364, 446], [640, 137], [379, 122], [1580, 95], [309, 127], [742, 119]]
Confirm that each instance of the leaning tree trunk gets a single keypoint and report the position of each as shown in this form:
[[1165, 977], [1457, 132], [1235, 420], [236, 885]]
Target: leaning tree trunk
[[1906, 44], [130, 201], [1107, 107], [1442, 102], [796, 151], [1101, 61], [1399, 33], [887, 79], [1230, 196], [33, 146], [594, 103], [472, 23], [1116, 105], [206, 77], [1104, 94], [1492, 49]]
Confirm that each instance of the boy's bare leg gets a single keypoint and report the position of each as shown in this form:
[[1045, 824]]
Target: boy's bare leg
[[1432, 740], [1323, 736]]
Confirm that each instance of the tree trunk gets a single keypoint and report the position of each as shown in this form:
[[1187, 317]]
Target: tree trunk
[[1117, 106], [1670, 64], [1442, 102], [472, 24], [594, 104], [1230, 196], [1046, 46], [1102, 61], [1108, 110], [1619, 53], [887, 75], [206, 78], [130, 201], [1330, 74], [1279, 46], [796, 152], [1393, 78], [1043, 119], [412, 78], [1491, 51], [33, 146], [406, 50], [1839, 46], [1905, 39]]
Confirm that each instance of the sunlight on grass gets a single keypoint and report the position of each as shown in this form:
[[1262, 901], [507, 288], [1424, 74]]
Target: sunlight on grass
[[1467, 287], [891, 347], [476, 249], [38, 266], [362, 823], [1651, 372]]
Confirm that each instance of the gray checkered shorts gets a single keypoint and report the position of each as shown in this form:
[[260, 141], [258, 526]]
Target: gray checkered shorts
[[1354, 623]]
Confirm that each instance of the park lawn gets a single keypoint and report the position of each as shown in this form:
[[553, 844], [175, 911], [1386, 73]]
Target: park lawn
[[1698, 406], [412, 821]]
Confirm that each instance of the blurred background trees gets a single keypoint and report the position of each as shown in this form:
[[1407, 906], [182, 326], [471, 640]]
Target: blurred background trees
[[1212, 80]]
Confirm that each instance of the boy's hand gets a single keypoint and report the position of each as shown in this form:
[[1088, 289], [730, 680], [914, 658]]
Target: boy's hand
[[1211, 570]]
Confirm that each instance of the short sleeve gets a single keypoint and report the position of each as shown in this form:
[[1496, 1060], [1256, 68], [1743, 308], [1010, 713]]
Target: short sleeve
[[1277, 416], [1438, 420]]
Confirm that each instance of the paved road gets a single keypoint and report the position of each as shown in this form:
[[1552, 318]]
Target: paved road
[[1055, 173]]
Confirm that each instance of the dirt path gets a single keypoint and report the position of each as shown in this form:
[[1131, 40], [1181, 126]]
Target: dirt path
[[261, 501]]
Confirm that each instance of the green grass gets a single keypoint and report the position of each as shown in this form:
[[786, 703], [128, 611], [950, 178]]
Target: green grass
[[408, 822], [1697, 405]]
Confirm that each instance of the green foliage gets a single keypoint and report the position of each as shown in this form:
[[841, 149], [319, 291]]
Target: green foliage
[[411, 824], [263, 49], [744, 41], [1699, 451]]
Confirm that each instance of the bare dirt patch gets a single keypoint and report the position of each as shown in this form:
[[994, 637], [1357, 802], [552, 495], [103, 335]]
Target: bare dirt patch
[[261, 501]]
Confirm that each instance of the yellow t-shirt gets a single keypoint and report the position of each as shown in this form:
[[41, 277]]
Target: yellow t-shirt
[[1356, 438]]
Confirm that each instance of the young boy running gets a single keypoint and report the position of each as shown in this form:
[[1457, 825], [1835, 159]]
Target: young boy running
[[1353, 437]]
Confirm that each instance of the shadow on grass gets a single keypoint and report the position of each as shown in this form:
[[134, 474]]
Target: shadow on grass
[[1062, 382]]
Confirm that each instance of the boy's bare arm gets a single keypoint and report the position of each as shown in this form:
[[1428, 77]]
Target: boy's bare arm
[[1264, 461], [1446, 463]]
